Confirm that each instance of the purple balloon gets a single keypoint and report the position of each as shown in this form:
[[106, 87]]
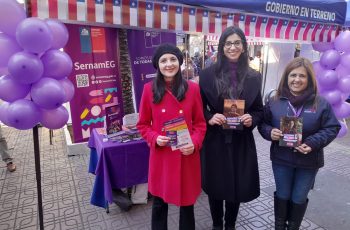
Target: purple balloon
[[48, 93], [3, 71], [4, 113], [333, 96], [330, 59], [25, 68], [8, 47], [23, 114], [34, 35], [10, 90], [342, 71], [343, 129], [59, 32], [322, 46], [345, 60], [342, 110], [344, 84], [11, 14], [342, 41], [68, 89], [57, 64], [328, 79], [54, 119], [317, 67]]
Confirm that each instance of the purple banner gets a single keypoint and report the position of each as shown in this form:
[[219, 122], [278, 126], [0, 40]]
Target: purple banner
[[141, 47], [95, 76]]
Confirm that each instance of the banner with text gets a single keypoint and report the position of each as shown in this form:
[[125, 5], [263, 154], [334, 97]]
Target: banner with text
[[95, 76], [142, 44]]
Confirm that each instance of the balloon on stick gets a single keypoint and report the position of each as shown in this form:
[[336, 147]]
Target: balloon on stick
[[8, 47], [328, 79], [57, 64], [333, 96], [342, 110], [11, 14], [23, 114], [54, 119], [322, 46], [48, 93], [25, 68], [343, 129], [4, 113], [34, 35], [10, 90], [330, 59], [59, 32], [342, 41], [68, 89]]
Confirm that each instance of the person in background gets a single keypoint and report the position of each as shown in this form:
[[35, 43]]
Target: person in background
[[229, 158], [210, 60], [174, 176], [295, 169], [5, 156], [187, 67]]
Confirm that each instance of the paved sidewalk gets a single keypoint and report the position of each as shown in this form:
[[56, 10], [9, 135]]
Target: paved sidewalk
[[67, 187]]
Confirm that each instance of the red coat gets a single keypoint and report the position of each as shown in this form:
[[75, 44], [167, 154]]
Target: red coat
[[174, 177]]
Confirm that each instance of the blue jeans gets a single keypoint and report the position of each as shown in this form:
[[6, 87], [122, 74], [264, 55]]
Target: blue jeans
[[293, 183]]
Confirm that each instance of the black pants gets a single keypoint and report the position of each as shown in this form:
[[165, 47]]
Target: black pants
[[217, 212], [160, 216]]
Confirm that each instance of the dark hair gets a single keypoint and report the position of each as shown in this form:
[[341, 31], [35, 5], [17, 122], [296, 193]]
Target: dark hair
[[179, 85], [296, 63], [223, 78]]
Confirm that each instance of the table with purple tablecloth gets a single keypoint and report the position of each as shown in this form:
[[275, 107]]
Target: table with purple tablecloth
[[116, 165]]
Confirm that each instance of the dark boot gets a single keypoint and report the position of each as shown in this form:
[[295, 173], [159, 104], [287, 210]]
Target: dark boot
[[296, 215], [231, 212], [217, 213], [281, 213], [159, 214]]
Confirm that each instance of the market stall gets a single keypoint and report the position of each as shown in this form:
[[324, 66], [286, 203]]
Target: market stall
[[273, 27]]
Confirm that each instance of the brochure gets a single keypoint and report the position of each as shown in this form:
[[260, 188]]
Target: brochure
[[233, 110], [178, 132], [291, 128], [113, 119]]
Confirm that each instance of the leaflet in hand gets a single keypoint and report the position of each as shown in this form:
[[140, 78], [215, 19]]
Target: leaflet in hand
[[178, 132], [233, 110], [291, 128]]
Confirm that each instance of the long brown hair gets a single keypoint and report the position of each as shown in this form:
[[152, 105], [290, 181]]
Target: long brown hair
[[296, 63]]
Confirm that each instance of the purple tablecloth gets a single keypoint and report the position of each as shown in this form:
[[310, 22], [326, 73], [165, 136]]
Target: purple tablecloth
[[116, 165]]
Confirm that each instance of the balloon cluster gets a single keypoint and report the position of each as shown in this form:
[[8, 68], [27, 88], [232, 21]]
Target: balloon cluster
[[333, 75], [33, 82]]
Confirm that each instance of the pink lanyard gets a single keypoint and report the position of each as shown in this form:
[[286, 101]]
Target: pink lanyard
[[296, 112]]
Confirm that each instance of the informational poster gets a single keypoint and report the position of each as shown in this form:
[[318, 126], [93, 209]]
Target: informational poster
[[142, 45], [95, 75]]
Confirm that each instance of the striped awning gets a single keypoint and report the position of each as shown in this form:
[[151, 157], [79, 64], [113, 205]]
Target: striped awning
[[179, 18], [214, 40]]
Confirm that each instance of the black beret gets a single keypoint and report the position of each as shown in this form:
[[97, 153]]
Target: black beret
[[166, 48]]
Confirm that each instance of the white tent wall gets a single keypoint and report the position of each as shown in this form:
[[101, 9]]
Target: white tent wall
[[276, 57], [308, 52]]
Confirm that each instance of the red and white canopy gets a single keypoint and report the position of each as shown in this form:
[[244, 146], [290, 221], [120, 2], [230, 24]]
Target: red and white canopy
[[179, 18]]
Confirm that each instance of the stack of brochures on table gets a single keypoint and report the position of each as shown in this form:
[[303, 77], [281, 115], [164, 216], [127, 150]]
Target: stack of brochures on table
[[125, 135]]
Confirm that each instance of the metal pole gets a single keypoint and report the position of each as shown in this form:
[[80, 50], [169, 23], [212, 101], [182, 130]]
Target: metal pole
[[38, 175]]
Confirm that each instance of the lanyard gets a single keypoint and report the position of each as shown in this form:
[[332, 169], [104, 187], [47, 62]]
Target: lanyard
[[296, 112]]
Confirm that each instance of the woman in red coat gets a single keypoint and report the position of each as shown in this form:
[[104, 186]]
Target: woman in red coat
[[174, 176]]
